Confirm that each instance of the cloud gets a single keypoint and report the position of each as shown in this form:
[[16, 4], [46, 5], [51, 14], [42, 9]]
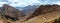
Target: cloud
[[56, 3], [1, 3], [24, 3], [44, 2], [19, 4]]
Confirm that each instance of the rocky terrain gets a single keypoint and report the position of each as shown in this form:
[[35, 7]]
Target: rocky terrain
[[43, 14]]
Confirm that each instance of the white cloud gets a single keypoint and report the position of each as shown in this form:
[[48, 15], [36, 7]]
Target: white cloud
[[56, 3], [23, 3], [1, 3], [20, 4]]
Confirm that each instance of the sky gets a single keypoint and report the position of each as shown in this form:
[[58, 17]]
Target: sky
[[24, 3]]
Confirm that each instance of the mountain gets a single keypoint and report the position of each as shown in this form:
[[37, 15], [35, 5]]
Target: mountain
[[45, 14], [10, 13], [13, 14], [43, 9], [47, 8], [32, 14], [28, 10], [11, 10]]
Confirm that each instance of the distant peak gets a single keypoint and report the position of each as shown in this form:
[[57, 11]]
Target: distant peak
[[7, 6]]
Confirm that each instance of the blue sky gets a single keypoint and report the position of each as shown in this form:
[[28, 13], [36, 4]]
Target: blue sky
[[24, 3]]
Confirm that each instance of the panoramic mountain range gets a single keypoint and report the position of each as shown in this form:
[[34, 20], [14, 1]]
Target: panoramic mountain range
[[29, 14]]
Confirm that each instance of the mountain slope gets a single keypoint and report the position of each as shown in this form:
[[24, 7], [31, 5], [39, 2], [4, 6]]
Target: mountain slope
[[44, 14], [9, 13]]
